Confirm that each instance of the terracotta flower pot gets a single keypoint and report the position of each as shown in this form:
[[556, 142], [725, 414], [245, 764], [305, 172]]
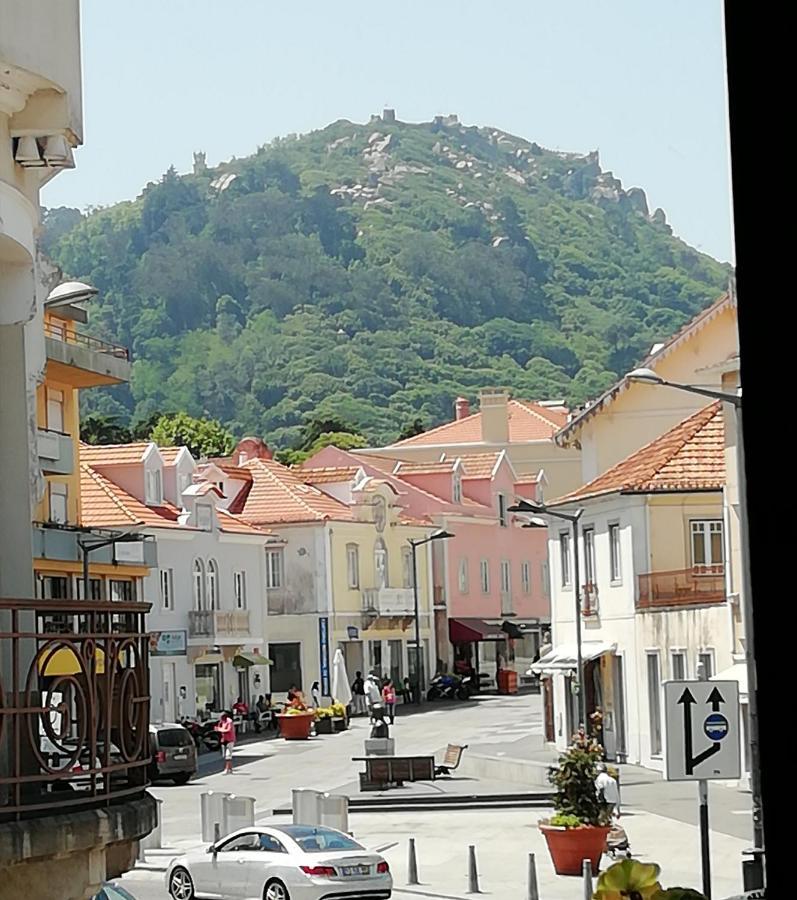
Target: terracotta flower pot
[[569, 847], [296, 727]]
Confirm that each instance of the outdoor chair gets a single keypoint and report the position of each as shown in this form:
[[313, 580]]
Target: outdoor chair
[[451, 760]]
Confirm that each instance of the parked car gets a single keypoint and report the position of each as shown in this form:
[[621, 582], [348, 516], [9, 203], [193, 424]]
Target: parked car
[[173, 753], [288, 862]]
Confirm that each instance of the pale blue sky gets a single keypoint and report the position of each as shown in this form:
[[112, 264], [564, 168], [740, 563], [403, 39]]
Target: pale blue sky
[[643, 82]]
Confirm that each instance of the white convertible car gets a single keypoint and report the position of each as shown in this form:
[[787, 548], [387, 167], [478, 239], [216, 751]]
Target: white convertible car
[[290, 862]]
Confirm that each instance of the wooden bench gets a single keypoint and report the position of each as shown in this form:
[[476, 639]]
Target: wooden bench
[[451, 760], [392, 771]]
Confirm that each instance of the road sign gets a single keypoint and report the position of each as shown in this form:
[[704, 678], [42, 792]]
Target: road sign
[[702, 721]]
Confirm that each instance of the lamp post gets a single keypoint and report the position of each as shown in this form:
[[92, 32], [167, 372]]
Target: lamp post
[[648, 376], [525, 506], [90, 545], [437, 536]]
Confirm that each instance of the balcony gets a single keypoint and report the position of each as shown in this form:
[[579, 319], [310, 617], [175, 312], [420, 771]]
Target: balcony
[[507, 607], [56, 452], [83, 361], [74, 723], [219, 626], [698, 586], [589, 600], [61, 542], [389, 601]]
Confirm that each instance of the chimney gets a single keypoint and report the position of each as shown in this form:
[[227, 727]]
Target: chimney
[[495, 416], [461, 408], [251, 448]]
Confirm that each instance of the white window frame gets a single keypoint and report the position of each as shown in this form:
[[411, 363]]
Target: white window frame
[[654, 691], [381, 564], [503, 516], [353, 566], [588, 542], [59, 492], [545, 578], [525, 576], [484, 575], [456, 493], [198, 582], [239, 589], [464, 581], [705, 528], [506, 577], [213, 589], [712, 656], [407, 575], [56, 410], [166, 584], [615, 553], [153, 493], [565, 559], [681, 653], [275, 568]]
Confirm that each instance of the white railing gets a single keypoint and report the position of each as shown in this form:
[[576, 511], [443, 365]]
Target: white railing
[[389, 601], [218, 623]]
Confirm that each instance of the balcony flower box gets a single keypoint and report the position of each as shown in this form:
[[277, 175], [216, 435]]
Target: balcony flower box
[[296, 726]]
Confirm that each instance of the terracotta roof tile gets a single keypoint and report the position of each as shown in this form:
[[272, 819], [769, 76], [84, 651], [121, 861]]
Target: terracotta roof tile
[[689, 457], [113, 454], [278, 494], [403, 468], [170, 454], [105, 504], [528, 478], [479, 465], [232, 524], [327, 474]]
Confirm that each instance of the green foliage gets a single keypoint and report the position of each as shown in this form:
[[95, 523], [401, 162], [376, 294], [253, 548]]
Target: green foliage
[[560, 821], [275, 301], [96, 428], [574, 780], [202, 437]]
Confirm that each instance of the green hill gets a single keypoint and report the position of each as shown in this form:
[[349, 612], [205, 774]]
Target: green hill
[[372, 272]]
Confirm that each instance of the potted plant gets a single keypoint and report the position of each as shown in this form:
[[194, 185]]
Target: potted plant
[[296, 722], [633, 880], [323, 720], [339, 718], [580, 826]]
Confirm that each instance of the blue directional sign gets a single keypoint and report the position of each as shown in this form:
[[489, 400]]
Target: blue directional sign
[[716, 727]]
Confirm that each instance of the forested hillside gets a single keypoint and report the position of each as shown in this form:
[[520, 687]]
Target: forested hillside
[[371, 272]]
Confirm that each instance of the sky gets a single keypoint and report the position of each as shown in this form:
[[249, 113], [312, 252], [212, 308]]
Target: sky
[[643, 83]]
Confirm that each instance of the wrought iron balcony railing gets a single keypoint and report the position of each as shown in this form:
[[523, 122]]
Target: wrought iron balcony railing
[[74, 705], [94, 344], [697, 586], [218, 623]]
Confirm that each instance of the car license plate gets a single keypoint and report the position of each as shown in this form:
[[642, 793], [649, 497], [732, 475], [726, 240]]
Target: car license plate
[[354, 870], [180, 756]]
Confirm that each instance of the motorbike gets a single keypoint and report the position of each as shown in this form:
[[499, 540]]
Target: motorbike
[[203, 734], [450, 687]]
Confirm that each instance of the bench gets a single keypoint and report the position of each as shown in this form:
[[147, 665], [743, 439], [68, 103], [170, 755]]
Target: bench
[[451, 760], [392, 771]]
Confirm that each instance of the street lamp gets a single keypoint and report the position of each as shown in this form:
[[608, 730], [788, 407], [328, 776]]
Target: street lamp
[[525, 506], [648, 376], [89, 546], [436, 536]]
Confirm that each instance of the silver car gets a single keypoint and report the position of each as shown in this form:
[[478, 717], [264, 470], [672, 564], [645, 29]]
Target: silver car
[[289, 862]]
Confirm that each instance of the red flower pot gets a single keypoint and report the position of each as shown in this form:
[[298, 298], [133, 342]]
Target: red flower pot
[[296, 727], [569, 847]]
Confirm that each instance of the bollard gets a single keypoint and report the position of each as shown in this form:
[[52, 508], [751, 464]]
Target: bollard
[[237, 812], [586, 868], [534, 893], [216, 832], [306, 806], [153, 840], [473, 873], [211, 811], [412, 865]]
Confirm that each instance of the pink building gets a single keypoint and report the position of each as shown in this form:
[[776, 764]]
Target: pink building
[[491, 595]]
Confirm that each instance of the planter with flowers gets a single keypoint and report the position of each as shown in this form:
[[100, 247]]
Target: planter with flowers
[[296, 722], [580, 826], [633, 880]]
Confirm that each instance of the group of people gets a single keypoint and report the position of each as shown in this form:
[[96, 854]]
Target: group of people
[[369, 692]]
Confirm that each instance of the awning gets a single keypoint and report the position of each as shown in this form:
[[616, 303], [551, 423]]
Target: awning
[[737, 672], [564, 658], [208, 659], [64, 662], [244, 660], [466, 631]]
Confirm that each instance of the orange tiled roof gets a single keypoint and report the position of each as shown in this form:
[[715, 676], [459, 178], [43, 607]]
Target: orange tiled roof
[[231, 524], [170, 454], [528, 478], [327, 474], [104, 504], [113, 454], [479, 465], [404, 468], [689, 457], [278, 494], [527, 422]]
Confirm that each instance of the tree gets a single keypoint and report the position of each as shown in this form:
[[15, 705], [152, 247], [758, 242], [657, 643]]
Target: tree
[[316, 427], [411, 429], [99, 429], [202, 437], [141, 429]]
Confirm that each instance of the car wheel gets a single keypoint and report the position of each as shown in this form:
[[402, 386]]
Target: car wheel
[[181, 886], [276, 890], [182, 778]]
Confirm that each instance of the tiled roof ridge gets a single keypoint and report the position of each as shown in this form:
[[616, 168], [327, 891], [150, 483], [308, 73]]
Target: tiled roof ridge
[[539, 411], [260, 464], [111, 492]]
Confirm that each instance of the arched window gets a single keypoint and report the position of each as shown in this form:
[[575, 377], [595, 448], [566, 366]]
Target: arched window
[[199, 584], [213, 585], [380, 563]]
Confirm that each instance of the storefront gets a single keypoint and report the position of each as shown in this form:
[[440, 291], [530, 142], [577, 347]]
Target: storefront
[[486, 647]]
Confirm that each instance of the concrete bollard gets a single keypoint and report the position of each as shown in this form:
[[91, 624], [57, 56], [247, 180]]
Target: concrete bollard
[[412, 865], [534, 893], [473, 872], [586, 869]]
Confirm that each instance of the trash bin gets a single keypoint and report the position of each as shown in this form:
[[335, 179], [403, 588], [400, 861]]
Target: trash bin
[[507, 681], [212, 812], [306, 807], [239, 812], [153, 840], [335, 812]]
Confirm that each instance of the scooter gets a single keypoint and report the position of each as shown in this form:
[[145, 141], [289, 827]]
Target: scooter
[[203, 733], [451, 687]]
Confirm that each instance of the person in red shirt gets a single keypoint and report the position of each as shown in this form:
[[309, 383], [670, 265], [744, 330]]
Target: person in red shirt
[[389, 699], [226, 730], [240, 708]]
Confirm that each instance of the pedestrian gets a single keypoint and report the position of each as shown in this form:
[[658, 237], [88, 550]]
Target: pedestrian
[[358, 694], [373, 694], [226, 731], [315, 694], [406, 691], [608, 790], [389, 699]]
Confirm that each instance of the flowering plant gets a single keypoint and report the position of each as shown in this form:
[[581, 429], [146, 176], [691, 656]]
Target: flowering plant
[[634, 880], [574, 777]]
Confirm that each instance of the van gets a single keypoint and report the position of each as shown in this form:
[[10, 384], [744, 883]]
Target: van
[[173, 753]]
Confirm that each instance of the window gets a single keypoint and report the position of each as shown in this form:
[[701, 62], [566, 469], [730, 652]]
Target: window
[[353, 565], [121, 591], [185, 482], [287, 669], [654, 703], [705, 662], [457, 492], [564, 550], [502, 518], [53, 587], [589, 555], [318, 839], [380, 564], [249, 841], [213, 585], [678, 665], [707, 544], [199, 584], [95, 588], [525, 577], [274, 568], [154, 487], [239, 589], [407, 573], [58, 503], [506, 577], [55, 410], [614, 551], [167, 588], [545, 578], [204, 517], [484, 573], [463, 576]]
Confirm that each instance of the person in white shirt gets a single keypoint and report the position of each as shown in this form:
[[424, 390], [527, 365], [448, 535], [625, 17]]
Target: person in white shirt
[[373, 693], [608, 788]]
